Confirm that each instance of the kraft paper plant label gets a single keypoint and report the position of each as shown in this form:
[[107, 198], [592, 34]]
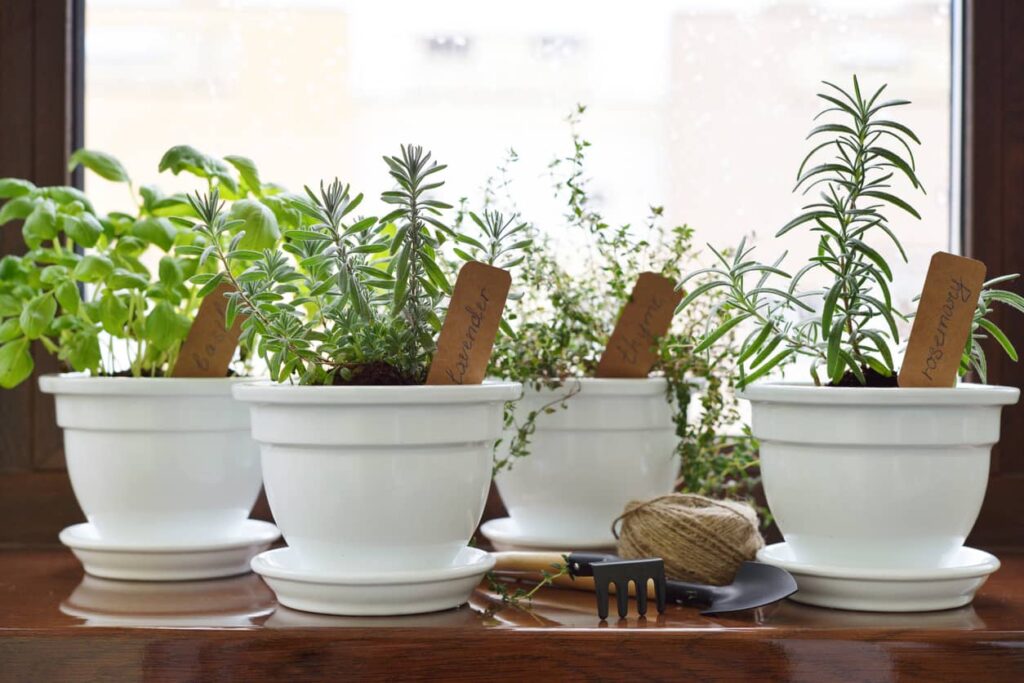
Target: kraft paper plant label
[[943, 321], [209, 347], [646, 317], [471, 325]]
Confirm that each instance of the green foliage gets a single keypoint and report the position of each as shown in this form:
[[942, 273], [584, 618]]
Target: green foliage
[[100, 163], [561, 323], [868, 153], [134, 320], [187, 159], [854, 330], [347, 299], [982, 328]]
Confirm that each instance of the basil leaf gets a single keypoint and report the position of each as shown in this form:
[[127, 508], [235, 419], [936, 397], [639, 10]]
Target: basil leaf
[[100, 163], [93, 268], [16, 209], [165, 327], [68, 297], [15, 363], [40, 225], [37, 315], [158, 231], [15, 187]]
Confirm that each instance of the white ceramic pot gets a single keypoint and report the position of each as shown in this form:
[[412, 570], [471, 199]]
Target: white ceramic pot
[[157, 460], [876, 478], [613, 442], [376, 478]]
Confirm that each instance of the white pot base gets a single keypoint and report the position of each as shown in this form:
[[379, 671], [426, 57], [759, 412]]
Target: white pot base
[[111, 559], [505, 535], [885, 590], [386, 593]]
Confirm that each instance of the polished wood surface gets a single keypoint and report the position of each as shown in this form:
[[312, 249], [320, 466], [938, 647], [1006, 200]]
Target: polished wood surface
[[56, 624]]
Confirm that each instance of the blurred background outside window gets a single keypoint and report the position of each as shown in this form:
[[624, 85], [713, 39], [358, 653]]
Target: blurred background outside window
[[700, 106]]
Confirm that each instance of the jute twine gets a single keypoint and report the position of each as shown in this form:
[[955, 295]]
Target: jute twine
[[701, 540]]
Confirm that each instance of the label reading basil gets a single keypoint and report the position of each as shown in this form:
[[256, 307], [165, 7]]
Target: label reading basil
[[209, 347]]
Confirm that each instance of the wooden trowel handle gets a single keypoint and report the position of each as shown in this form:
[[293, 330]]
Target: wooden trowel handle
[[527, 562], [533, 563]]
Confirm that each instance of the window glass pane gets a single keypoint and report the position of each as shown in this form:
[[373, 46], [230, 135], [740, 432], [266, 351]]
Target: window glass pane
[[698, 105]]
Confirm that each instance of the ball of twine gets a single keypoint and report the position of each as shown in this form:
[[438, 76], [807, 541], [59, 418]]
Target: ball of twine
[[700, 539]]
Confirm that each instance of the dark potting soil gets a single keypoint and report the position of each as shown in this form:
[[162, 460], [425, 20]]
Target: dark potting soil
[[158, 373], [128, 373], [377, 373], [872, 377]]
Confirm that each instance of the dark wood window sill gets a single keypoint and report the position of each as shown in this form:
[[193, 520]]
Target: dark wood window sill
[[56, 624]]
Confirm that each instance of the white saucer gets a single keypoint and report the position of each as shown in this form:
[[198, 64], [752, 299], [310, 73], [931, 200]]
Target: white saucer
[[180, 562], [885, 590], [505, 535], [389, 593]]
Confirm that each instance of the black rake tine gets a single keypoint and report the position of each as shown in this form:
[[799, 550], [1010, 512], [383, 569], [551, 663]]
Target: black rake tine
[[660, 589], [621, 573], [641, 596], [601, 589], [622, 596]]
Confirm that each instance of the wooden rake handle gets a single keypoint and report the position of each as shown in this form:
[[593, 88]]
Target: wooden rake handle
[[526, 564]]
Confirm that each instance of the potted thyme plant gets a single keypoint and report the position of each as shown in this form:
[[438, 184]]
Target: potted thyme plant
[[577, 448], [156, 461], [376, 479], [858, 473]]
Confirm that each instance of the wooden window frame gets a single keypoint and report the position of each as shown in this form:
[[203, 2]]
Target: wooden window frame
[[993, 220], [40, 122], [41, 67]]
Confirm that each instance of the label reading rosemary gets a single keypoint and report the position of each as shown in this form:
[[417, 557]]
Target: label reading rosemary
[[943, 321], [646, 317], [471, 325], [209, 347]]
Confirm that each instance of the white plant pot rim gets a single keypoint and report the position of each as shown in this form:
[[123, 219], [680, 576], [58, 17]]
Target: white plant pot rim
[[606, 386], [85, 384], [267, 391], [807, 393]]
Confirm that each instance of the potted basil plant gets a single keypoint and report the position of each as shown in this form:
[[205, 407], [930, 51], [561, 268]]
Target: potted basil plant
[[577, 448], [376, 479], [156, 461], [858, 472]]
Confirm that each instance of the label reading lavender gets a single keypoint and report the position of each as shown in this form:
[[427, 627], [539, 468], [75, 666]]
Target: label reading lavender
[[943, 321], [646, 317], [471, 325], [209, 347]]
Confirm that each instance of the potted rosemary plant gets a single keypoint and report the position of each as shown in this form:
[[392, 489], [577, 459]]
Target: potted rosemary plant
[[859, 472], [376, 479], [156, 461], [577, 447]]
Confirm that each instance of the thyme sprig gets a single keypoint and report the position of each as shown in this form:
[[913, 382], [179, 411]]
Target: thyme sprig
[[519, 595], [563, 320]]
